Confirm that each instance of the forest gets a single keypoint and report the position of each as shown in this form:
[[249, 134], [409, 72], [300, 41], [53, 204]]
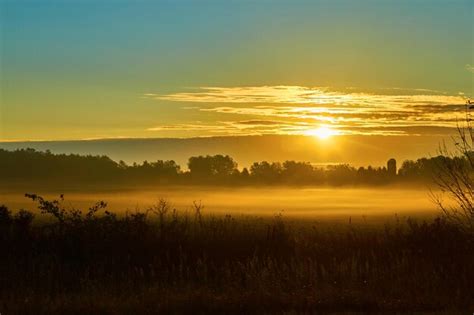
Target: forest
[[29, 165]]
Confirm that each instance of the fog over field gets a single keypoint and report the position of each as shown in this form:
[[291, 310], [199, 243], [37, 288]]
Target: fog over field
[[317, 203]]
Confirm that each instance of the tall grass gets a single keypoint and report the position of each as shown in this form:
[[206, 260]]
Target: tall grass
[[162, 261]]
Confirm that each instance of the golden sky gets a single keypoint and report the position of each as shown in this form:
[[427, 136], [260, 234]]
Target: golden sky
[[144, 69]]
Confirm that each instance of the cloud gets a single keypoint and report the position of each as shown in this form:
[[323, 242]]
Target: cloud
[[316, 96], [260, 122], [297, 110], [246, 128], [470, 68]]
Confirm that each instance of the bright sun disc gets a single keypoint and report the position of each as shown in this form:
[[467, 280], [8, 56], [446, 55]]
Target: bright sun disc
[[322, 132]]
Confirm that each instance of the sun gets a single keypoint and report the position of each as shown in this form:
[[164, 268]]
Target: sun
[[322, 132]]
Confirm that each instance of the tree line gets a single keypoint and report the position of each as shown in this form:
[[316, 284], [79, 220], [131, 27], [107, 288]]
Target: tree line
[[30, 165]]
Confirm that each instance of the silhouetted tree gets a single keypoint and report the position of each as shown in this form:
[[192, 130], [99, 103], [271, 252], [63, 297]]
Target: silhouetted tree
[[217, 165], [455, 175], [301, 173], [341, 174], [266, 172]]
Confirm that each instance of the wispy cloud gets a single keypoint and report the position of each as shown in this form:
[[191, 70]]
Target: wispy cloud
[[245, 128], [305, 95], [470, 68], [297, 110]]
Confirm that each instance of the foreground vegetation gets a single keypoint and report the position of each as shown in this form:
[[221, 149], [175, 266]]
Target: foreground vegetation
[[162, 261]]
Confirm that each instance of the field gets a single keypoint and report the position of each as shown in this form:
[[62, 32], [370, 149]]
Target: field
[[221, 259]]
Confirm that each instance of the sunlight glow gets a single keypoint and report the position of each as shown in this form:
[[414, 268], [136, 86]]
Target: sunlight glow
[[322, 132]]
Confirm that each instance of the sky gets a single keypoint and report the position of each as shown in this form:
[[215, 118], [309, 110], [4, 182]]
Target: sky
[[83, 69]]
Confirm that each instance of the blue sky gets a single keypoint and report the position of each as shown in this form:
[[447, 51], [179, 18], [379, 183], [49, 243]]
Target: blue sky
[[91, 69]]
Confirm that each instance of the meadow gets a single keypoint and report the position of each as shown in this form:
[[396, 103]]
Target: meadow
[[160, 260]]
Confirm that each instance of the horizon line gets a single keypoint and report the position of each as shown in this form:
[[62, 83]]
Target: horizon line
[[4, 141]]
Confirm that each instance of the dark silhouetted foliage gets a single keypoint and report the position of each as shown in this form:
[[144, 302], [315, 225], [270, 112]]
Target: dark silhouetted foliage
[[455, 175], [163, 261], [33, 167]]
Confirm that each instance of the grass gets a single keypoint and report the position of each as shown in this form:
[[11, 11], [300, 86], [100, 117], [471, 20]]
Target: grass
[[163, 262]]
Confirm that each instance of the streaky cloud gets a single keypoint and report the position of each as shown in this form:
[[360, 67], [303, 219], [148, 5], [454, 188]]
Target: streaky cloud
[[285, 109]]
